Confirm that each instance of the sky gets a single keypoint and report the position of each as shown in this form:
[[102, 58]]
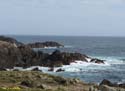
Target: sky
[[63, 17]]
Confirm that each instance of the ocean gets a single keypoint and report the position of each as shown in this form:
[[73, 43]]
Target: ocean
[[111, 49]]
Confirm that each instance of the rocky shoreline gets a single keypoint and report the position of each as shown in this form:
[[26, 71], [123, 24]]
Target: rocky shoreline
[[16, 54]]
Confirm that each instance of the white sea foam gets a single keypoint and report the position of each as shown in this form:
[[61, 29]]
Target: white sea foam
[[79, 66], [66, 46], [49, 47], [76, 66]]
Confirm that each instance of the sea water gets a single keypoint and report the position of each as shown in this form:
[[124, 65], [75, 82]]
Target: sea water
[[111, 49]]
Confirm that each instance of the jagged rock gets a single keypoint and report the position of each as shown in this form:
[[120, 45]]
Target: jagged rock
[[60, 70], [107, 82], [45, 44]]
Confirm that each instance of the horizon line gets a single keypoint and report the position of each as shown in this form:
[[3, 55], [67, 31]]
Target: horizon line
[[60, 35]]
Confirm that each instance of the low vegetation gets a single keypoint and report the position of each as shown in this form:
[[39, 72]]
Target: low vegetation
[[37, 81]]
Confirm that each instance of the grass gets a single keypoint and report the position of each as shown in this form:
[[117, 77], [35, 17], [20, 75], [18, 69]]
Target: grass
[[37, 81]]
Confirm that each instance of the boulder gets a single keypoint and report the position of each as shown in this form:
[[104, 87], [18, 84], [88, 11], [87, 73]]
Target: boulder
[[108, 83]]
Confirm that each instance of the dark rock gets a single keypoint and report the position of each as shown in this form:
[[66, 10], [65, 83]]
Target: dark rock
[[3, 69], [122, 85], [60, 70], [57, 58], [98, 61], [108, 83], [10, 40], [45, 44], [36, 69], [16, 70], [24, 56]]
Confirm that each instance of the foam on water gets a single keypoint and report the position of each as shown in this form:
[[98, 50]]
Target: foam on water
[[77, 66]]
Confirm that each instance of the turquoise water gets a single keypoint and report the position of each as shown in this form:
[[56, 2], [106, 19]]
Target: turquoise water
[[111, 49]]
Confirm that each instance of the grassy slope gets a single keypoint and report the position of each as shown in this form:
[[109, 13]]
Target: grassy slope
[[29, 80]]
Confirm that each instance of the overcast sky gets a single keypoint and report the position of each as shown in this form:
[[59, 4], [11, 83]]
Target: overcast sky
[[63, 17]]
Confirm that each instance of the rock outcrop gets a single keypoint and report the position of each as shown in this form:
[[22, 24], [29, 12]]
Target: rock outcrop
[[45, 44], [24, 56], [9, 55], [10, 40], [58, 58]]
